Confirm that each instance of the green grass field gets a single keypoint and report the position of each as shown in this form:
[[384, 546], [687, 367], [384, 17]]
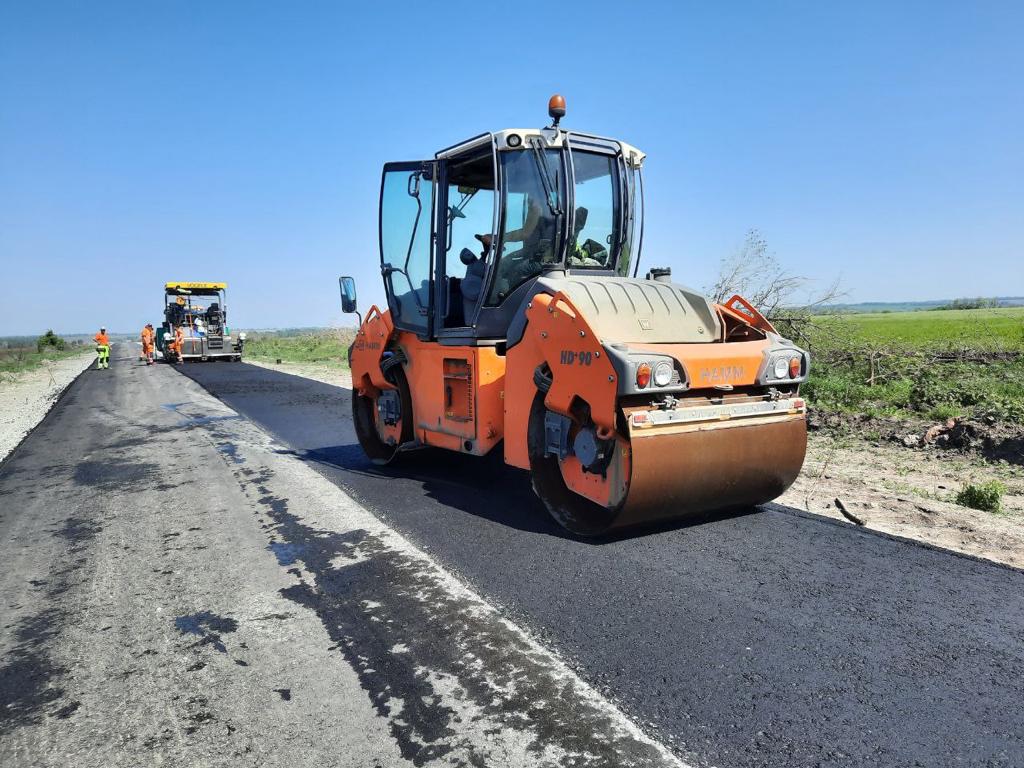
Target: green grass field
[[921, 365], [17, 359], [329, 346], [980, 329]]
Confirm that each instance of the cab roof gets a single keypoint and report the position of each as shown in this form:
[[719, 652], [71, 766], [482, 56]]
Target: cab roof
[[552, 138], [195, 288]]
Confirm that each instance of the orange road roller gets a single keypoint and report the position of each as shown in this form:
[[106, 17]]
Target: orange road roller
[[516, 319]]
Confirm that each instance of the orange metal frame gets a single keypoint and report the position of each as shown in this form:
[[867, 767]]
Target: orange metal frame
[[468, 399]]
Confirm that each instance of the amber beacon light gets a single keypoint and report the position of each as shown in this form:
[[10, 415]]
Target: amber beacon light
[[556, 108]]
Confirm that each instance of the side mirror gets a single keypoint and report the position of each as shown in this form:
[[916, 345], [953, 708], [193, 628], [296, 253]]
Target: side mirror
[[348, 294]]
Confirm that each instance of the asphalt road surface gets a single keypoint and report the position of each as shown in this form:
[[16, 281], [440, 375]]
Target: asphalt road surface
[[772, 638], [181, 584], [180, 590]]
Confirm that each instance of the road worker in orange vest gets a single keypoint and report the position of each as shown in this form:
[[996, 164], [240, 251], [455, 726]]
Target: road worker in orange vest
[[102, 349], [179, 342], [147, 343]]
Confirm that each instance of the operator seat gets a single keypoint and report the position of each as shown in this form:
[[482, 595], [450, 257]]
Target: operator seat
[[472, 283]]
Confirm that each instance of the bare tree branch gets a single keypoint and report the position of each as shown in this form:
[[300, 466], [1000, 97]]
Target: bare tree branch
[[786, 299]]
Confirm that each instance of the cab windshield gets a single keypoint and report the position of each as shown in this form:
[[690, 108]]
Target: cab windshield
[[538, 212], [533, 199], [197, 314]]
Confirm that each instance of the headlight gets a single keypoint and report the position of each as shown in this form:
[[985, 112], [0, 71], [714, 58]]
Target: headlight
[[241, 336], [780, 368], [783, 366], [662, 374]]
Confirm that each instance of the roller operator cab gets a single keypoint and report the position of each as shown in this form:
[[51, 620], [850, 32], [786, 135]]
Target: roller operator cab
[[515, 318]]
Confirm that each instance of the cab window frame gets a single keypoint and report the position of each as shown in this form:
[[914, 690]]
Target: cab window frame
[[620, 201], [473, 151]]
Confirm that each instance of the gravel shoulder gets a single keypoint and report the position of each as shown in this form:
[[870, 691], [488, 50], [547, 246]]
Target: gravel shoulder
[[26, 397], [891, 488], [322, 372]]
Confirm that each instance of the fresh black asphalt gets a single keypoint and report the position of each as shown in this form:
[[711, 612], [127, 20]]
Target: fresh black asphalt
[[177, 590], [770, 638]]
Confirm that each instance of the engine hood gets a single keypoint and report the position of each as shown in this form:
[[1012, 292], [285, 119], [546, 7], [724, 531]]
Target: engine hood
[[621, 309]]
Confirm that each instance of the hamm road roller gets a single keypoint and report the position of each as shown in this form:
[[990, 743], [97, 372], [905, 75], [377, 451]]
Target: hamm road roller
[[515, 318]]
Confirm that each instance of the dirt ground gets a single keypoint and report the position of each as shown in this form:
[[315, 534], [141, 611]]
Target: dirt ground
[[909, 492], [890, 487], [328, 374]]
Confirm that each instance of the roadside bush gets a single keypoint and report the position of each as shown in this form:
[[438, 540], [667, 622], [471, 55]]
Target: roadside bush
[[1005, 409], [978, 303], [950, 385], [944, 411], [988, 496], [317, 346], [837, 388], [827, 389], [50, 340]]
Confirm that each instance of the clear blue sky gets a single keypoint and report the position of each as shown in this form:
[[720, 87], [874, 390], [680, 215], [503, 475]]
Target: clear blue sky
[[145, 141]]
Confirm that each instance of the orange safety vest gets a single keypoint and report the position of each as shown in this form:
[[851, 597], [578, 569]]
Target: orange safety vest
[[102, 339]]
